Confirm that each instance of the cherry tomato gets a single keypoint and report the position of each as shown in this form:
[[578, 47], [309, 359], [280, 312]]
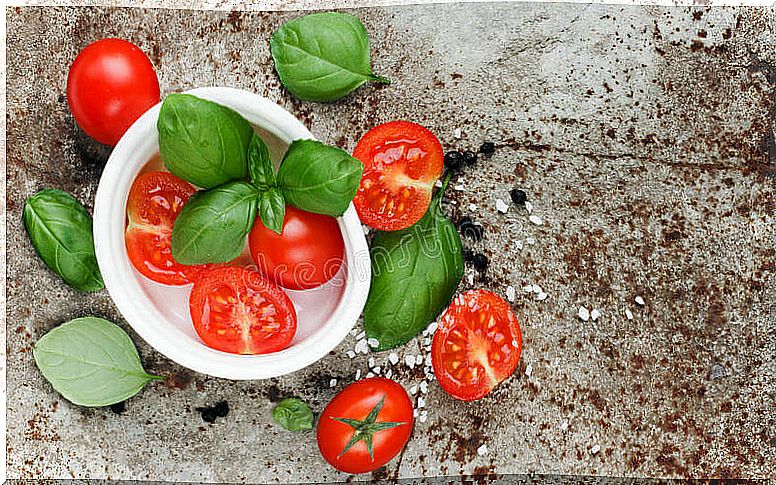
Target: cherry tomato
[[155, 200], [402, 160], [237, 310], [307, 254], [476, 346], [365, 425], [110, 84]]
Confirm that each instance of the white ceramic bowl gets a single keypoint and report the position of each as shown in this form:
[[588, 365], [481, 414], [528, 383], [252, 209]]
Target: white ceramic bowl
[[160, 314]]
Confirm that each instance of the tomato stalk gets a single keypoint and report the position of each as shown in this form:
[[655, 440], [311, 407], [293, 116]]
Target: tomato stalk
[[364, 430]]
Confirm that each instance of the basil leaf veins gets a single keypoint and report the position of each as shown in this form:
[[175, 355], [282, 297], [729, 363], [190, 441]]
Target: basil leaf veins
[[260, 168], [272, 209], [60, 229], [415, 272], [323, 56], [319, 178], [202, 142], [212, 226], [91, 362], [293, 414]]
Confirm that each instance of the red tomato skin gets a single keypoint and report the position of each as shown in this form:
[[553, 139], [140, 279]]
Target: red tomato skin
[[508, 324], [155, 200], [307, 254], [391, 180], [220, 323], [110, 84], [355, 402]]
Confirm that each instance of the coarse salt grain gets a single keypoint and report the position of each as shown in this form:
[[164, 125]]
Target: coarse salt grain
[[541, 296], [371, 362], [531, 241], [501, 206], [584, 314], [332, 382], [473, 207], [361, 335], [373, 342], [519, 245], [535, 220], [536, 289], [438, 184], [377, 370], [629, 314], [361, 347], [458, 187], [423, 387], [595, 314], [414, 390], [528, 289], [470, 279], [393, 358], [421, 402], [511, 293], [428, 360], [350, 354], [388, 373], [529, 370], [457, 133], [564, 426], [353, 332], [415, 413], [418, 360], [482, 450], [426, 342], [409, 361], [432, 327], [595, 449], [639, 300], [358, 374], [369, 374], [528, 206], [423, 416]]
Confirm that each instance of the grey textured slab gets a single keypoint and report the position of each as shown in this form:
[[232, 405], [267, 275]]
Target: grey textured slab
[[641, 135]]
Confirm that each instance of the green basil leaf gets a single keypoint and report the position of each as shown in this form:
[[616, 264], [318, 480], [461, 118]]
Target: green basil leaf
[[323, 56], [260, 167], [319, 178], [415, 272], [212, 226], [293, 414], [272, 210], [60, 229], [202, 142], [91, 362]]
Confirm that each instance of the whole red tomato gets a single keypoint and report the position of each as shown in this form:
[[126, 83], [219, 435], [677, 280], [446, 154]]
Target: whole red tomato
[[307, 254], [365, 425], [110, 84]]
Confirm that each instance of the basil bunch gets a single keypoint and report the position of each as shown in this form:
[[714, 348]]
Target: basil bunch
[[323, 56], [91, 362], [60, 229], [293, 414], [415, 272], [208, 145]]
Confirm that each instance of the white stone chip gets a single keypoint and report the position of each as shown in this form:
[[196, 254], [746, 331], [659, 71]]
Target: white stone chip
[[511, 293], [535, 220], [541, 296], [583, 314], [361, 347], [501, 206], [595, 449], [332, 382], [595, 314], [528, 206], [529, 370], [639, 300], [409, 361], [629, 314], [393, 358], [373, 342], [482, 450], [473, 207]]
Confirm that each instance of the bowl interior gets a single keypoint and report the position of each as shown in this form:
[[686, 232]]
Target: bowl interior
[[160, 313]]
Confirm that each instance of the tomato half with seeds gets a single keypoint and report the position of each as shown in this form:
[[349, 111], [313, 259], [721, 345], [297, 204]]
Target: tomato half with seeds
[[155, 200], [237, 310], [365, 425], [402, 160], [476, 346]]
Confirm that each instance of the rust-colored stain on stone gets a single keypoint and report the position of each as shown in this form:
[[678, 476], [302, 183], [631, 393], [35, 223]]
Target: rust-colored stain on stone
[[643, 137]]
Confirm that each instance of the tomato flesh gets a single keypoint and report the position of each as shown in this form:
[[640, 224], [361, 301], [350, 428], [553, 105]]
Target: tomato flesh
[[477, 345], [110, 84], [237, 310], [356, 402], [402, 160], [155, 200], [307, 254]]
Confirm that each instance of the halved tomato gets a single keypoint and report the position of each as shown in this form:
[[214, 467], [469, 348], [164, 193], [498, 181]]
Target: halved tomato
[[402, 160], [237, 310], [155, 200], [477, 345]]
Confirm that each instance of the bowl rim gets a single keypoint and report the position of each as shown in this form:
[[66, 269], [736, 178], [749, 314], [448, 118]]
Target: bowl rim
[[124, 286]]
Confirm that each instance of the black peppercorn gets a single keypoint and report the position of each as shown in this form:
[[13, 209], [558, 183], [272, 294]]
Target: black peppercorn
[[480, 262], [488, 148], [469, 157], [469, 229], [467, 254], [518, 196], [119, 407], [453, 160], [210, 413]]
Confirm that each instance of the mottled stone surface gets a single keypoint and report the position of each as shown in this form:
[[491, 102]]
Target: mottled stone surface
[[642, 137]]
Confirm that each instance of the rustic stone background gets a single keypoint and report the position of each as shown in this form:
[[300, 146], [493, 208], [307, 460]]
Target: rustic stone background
[[642, 136]]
